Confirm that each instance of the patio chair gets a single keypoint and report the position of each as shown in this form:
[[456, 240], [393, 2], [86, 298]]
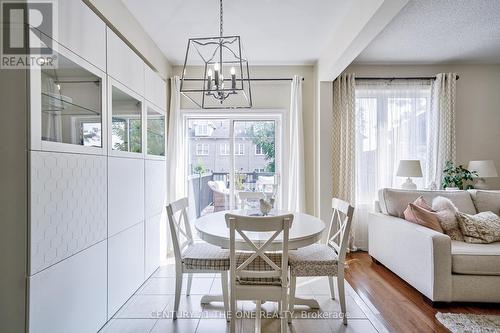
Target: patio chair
[[220, 195]]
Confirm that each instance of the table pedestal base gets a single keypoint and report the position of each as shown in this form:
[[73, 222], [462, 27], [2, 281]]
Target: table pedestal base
[[312, 303]]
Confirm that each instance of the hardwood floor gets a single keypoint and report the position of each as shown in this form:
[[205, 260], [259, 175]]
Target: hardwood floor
[[399, 306]]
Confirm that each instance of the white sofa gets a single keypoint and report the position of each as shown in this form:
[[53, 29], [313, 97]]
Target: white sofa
[[441, 269]]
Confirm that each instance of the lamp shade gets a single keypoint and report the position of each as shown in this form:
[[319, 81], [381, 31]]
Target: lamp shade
[[409, 168], [484, 169]]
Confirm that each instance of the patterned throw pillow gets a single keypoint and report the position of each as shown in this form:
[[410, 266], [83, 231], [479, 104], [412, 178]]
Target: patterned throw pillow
[[446, 214], [480, 228]]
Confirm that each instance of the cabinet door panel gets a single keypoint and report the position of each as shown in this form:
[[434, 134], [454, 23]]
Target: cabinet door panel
[[71, 295], [152, 246], [155, 88], [155, 189], [125, 266], [125, 193], [80, 30], [124, 64]]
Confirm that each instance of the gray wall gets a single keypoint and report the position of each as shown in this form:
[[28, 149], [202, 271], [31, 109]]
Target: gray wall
[[13, 199]]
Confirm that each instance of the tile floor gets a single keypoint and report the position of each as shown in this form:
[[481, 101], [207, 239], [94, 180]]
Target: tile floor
[[150, 309]]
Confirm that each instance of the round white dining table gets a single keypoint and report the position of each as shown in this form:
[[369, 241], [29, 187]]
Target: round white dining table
[[306, 230]]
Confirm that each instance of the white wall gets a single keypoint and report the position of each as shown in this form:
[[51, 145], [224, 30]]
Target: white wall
[[269, 95]]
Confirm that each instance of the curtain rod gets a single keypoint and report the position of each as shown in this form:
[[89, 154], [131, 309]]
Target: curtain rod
[[270, 79], [399, 78]]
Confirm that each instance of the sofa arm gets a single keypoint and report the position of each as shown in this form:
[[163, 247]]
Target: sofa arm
[[419, 255]]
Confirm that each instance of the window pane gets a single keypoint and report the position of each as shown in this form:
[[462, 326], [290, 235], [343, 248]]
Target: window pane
[[126, 128], [391, 125], [209, 164]]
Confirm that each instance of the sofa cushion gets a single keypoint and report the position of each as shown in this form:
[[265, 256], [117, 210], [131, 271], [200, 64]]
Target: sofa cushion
[[486, 200], [394, 201], [475, 259]]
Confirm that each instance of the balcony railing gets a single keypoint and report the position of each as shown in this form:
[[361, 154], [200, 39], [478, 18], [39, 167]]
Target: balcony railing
[[201, 196]]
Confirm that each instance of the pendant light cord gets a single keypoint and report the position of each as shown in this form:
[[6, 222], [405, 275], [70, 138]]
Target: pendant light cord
[[220, 19]]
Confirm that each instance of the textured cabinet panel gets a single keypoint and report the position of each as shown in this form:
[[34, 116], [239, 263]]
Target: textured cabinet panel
[[71, 295], [155, 189], [125, 266], [155, 89], [124, 64], [152, 246], [125, 193], [68, 205]]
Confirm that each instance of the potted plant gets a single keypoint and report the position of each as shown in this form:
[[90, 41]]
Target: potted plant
[[455, 177]]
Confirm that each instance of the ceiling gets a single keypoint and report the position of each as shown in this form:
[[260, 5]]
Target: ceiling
[[443, 31], [272, 31]]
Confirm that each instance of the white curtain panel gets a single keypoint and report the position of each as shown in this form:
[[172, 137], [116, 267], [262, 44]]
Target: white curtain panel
[[176, 162], [344, 143], [442, 141], [295, 199], [392, 124]]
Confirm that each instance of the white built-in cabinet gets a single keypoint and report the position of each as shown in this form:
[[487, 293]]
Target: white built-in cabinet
[[97, 176]]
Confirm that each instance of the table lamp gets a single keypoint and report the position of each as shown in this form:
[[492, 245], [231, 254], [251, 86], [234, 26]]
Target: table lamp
[[409, 168], [484, 169]]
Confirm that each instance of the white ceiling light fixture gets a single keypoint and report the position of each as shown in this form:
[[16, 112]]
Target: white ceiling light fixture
[[215, 74]]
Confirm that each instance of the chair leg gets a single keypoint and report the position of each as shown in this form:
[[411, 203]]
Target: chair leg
[[291, 297], [178, 288], [258, 309], [225, 293], [332, 288], [283, 306], [232, 310], [340, 283], [189, 282]]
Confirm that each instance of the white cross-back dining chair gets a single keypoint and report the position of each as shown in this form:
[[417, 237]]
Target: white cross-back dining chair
[[191, 257], [258, 275], [325, 259]]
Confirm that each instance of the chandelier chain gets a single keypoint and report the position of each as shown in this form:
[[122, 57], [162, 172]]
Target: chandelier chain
[[220, 19]]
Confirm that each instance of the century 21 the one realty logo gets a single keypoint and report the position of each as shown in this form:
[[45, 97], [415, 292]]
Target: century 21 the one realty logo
[[26, 27]]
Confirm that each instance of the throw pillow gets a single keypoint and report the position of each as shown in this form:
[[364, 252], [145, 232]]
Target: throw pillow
[[480, 228], [420, 202], [426, 218], [446, 214]]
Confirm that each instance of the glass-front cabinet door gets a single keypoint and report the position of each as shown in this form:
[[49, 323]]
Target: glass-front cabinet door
[[67, 108], [127, 120], [155, 131]]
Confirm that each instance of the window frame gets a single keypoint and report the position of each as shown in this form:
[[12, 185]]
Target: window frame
[[277, 115]]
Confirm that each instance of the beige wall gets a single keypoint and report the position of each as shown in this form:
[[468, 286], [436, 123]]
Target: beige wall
[[477, 106], [269, 95]]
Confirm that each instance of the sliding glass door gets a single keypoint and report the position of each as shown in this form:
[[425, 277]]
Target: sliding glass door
[[230, 158]]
